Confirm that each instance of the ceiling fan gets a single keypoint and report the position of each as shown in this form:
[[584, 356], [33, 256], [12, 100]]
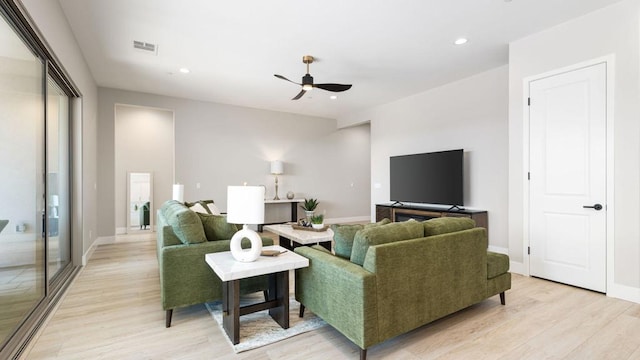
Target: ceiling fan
[[307, 81]]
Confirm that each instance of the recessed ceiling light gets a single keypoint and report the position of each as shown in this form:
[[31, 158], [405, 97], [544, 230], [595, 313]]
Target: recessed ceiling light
[[333, 97], [460, 41], [184, 70]]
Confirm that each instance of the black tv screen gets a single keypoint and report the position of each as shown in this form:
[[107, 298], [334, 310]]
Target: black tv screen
[[431, 178]]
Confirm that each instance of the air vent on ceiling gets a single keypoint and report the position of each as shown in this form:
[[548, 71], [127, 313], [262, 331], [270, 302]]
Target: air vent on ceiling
[[145, 46]]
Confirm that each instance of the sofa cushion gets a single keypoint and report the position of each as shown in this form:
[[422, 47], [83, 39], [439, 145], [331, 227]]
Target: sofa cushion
[[384, 234], [216, 227], [184, 222], [497, 264], [445, 225], [343, 236]]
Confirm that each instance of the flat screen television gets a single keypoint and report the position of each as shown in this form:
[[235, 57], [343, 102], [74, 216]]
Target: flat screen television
[[431, 178]]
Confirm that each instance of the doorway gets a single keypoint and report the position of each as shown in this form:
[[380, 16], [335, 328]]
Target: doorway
[[568, 177], [144, 148]]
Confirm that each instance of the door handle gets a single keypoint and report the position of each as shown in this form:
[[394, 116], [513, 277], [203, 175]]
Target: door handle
[[597, 207]]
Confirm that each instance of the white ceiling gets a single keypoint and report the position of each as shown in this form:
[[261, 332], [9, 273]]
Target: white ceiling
[[387, 49]]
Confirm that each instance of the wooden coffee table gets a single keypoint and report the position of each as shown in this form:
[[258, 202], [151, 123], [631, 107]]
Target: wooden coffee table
[[231, 272], [291, 238]]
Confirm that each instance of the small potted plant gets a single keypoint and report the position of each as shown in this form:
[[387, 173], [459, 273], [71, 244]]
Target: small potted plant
[[317, 221], [309, 207]]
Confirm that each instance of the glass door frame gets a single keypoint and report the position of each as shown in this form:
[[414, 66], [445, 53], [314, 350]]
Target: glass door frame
[[15, 16]]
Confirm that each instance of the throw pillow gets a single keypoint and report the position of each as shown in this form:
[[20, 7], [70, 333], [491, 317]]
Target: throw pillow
[[198, 208], [343, 236], [184, 222], [207, 207], [213, 209], [445, 225], [216, 227], [384, 234]]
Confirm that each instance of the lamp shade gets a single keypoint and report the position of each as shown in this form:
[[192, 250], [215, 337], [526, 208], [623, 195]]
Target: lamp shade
[[245, 204], [178, 192], [277, 167]]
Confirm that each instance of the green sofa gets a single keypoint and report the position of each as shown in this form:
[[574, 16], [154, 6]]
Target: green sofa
[[399, 277], [183, 239]]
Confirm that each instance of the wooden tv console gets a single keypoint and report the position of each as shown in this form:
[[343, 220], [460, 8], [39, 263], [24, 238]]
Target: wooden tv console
[[404, 212]]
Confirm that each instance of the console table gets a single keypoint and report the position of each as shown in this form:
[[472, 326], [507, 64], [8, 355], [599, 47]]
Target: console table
[[420, 212], [294, 210]]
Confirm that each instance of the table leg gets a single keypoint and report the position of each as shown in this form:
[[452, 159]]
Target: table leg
[[325, 244], [294, 212], [279, 290], [286, 243], [231, 309]]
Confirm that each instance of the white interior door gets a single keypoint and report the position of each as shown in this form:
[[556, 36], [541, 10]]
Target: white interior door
[[567, 187]]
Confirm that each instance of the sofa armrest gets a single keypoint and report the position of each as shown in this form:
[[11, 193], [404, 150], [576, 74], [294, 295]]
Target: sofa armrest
[[341, 293], [186, 278]]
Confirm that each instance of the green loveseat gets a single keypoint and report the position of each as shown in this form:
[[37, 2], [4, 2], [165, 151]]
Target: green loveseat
[[184, 237], [399, 277]]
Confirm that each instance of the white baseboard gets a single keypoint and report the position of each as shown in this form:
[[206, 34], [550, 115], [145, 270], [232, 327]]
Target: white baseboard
[[617, 291], [87, 255], [99, 241], [518, 268], [624, 292], [121, 231]]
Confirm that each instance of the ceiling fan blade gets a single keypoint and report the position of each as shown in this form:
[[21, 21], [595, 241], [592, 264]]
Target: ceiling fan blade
[[284, 78], [333, 87], [299, 95]]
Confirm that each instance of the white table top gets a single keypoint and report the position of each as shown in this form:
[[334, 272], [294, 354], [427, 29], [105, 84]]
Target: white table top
[[227, 268], [283, 201], [303, 237]]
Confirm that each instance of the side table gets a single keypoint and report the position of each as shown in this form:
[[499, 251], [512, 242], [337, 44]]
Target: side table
[[231, 272]]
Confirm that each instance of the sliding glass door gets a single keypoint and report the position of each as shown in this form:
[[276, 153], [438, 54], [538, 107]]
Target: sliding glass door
[[22, 189], [35, 183]]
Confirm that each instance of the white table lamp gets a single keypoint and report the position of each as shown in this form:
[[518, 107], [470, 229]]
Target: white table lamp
[[178, 192], [245, 205], [277, 168]]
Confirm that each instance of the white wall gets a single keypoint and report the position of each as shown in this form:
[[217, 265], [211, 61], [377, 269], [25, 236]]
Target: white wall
[[218, 145], [469, 114], [611, 31], [144, 142], [49, 19]]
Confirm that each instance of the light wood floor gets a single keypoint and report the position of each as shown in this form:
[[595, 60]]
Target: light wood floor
[[112, 311]]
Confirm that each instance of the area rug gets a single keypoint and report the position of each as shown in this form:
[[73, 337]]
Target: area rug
[[259, 329]]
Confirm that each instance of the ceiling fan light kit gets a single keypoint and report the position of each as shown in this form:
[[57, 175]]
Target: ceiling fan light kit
[[307, 81]]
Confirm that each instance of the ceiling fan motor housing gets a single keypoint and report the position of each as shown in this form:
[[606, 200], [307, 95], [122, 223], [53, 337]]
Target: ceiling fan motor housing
[[307, 80]]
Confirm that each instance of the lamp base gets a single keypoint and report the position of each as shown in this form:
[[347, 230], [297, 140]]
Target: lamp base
[[248, 255], [276, 197]]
